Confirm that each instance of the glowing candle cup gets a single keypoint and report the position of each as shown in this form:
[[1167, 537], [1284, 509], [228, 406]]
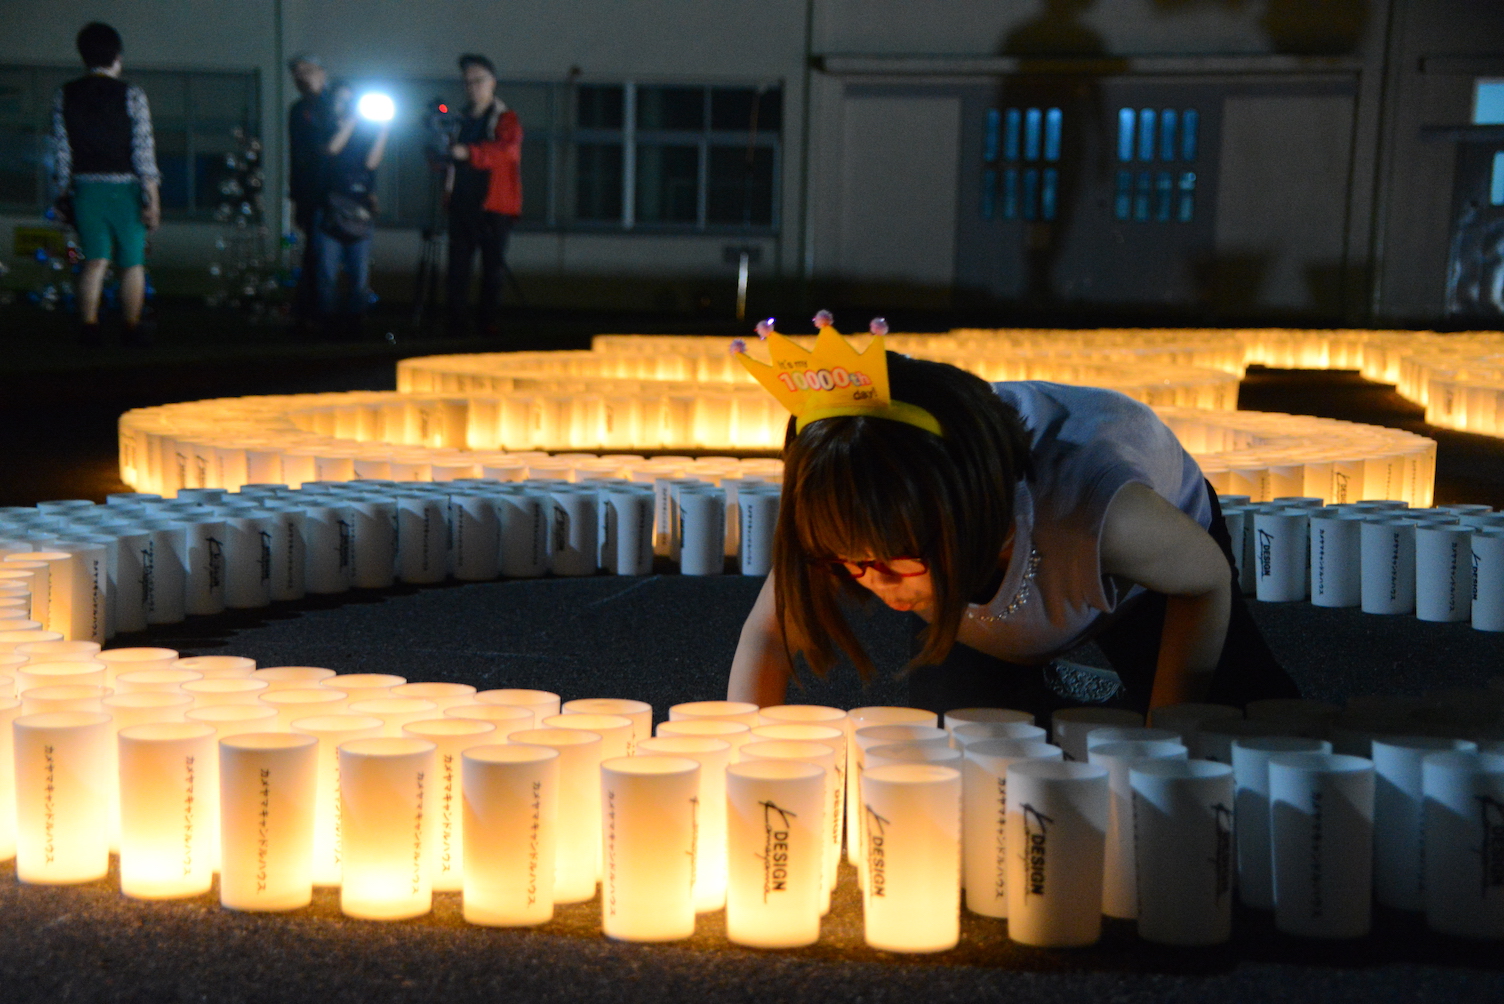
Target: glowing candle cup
[[775, 849], [511, 804], [451, 737], [577, 858], [648, 811], [61, 772], [713, 756], [911, 900], [165, 804], [386, 827], [330, 731], [267, 788]]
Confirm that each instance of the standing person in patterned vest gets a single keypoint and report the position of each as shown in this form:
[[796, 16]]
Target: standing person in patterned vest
[[107, 179]]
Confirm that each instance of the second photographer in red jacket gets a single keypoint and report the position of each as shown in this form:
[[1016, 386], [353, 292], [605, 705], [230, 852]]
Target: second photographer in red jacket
[[484, 188]]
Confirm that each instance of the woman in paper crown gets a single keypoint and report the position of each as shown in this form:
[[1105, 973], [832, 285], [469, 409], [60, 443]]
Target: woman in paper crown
[[1017, 519]]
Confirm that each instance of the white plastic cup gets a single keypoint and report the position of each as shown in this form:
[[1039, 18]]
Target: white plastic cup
[[1132, 733], [292, 677], [165, 801], [10, 710], [524, 520], [474, 537], [577, 858], [1057, 831], [984, 716], [963, 736], [205, 566], [1336, 559], [1183, 821], [1399, 816], [288, 563], [1250, 765], [730, 711], [386, 828], [328, 544], [1280, 539], [1120, 854], [373, 552], [713, 756], [757, 513], [511, 804], [422, 538], [1443, 573], [832, 736], [775, 852], [248, 560], [451, 738], [1488, 581], [62, 797], [574, 519], [541, 703], [1069, 727], [1321, 827], [702, 532], [331, 731], [639, 713], [268, 785], [984, 815], [628, 547], [649, 806], [911, 900], [1464, 835], [1388, 566], [165, 573]]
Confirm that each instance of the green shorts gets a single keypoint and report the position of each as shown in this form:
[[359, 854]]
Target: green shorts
[[107, 216]]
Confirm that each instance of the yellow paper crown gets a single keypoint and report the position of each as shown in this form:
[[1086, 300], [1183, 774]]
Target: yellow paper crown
[[831, 380]]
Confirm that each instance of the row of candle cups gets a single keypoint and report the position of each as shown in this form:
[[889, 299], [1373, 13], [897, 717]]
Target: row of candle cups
[[936, 810], [93, 571], [1444, 564]]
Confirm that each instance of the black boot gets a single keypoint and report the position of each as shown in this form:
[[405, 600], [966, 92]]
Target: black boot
[[136, 336], [90, 336]]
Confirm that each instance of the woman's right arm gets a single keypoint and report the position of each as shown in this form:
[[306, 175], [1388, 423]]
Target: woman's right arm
[[760, 671]]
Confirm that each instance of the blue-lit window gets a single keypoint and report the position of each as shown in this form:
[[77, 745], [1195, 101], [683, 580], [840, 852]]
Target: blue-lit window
[[1031, 194], [1141, 195], [1167, 122], [1010, 138], [1047, 193], [1033, 122], [1052, 124], [1122, 203], [1146, 134], [1165, 136], [1496, 182], [990, 138], [1488, 102], [1126, 118], [1188, 134], [1187, 209]]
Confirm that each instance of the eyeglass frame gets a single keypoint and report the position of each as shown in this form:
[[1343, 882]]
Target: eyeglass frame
[[867, 564]]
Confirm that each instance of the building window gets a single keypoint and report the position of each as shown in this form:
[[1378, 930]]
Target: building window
[[195, 116], [1167, 136], [1020, 139]]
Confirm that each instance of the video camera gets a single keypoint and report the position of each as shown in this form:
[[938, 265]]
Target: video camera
[[441, 127]]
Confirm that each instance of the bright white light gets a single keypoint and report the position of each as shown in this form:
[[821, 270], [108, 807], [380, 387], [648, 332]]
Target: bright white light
[[376, 106]]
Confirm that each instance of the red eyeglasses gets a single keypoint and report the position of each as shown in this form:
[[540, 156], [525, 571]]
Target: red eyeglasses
[[903, 568]]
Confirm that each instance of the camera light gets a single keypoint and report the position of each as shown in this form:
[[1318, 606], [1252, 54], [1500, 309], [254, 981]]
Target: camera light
[[376, 107]]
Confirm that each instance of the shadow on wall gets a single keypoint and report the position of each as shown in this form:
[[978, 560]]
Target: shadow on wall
[[1232, 287], [1298, 27], [1065, 177]]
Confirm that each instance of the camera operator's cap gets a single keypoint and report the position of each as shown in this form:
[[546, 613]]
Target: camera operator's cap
[[305, 57], [831, 380]]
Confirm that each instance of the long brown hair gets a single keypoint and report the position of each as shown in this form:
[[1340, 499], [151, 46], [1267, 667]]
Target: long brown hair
[[857, 486]]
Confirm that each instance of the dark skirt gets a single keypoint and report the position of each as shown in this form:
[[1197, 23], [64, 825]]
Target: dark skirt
[[1246, 671]]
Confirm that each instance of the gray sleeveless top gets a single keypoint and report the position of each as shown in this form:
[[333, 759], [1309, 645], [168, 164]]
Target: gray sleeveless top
[[1087, 444]]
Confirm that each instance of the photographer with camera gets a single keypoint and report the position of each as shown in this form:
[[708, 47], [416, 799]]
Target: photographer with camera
[[484, 190], [345, 223]]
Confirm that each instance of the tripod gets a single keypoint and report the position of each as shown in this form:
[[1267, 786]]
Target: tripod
[[430, 273]]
